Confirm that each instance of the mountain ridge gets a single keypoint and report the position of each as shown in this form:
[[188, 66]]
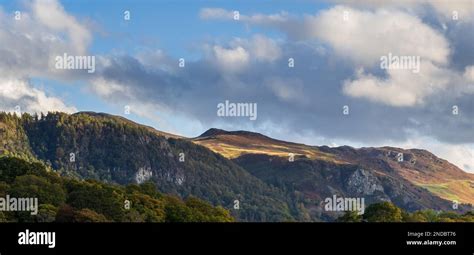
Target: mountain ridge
[[437, 175], [223, 167]]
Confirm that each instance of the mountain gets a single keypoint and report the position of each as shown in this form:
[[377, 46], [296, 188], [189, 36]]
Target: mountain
[[237, 143], [116, 150], [420, 180], [247, 173], [420, 167]]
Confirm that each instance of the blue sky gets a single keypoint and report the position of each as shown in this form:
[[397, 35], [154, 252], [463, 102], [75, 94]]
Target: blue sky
[[173, 26], [337, 64]]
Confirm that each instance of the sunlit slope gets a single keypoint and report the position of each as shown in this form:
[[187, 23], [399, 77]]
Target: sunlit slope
[[235, 144], [419, 167]]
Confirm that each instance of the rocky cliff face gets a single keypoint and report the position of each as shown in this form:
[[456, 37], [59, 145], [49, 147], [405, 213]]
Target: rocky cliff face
[[310, 182], [364, 183], [412, 179]]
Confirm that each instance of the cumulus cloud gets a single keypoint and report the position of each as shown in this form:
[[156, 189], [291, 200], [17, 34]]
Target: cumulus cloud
[[264, 49], [403, 87], [37, 38], [106, 88], [237, 55], [20, 93], [29, 47], [233, 59], [51, 14], [367, 35], [469, 73]]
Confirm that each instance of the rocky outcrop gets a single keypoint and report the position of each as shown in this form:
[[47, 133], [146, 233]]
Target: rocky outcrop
[[362, 182]]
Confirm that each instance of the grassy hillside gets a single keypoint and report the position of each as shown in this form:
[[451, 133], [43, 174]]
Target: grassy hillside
[[420, 169], [235, 144]]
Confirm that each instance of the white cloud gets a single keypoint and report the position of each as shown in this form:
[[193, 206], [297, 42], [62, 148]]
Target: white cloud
[[259, 47], [287, 90], [368, 35], [238, 54], [261, 19], [401, 87], [231, 59], [264, 48], [460, 155], [363, 38], [469, 73], [20, 93], [29, 46], [216, 13], [122, 95], [51, 14], [105, 88]]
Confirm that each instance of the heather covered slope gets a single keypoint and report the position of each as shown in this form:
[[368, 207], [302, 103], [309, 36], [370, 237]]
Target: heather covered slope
[[310, 182], [420, 167], [420, 180], [238, 143]]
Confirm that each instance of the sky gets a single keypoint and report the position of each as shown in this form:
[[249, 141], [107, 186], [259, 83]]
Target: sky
[[335, 92]]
